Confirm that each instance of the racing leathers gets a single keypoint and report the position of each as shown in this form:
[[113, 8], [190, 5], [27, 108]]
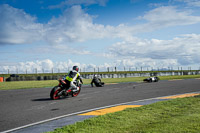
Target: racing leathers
[[72, 77], [97, 82]]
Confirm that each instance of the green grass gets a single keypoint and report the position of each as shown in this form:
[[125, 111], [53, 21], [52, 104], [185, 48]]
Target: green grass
[[180, 115], [26, 84], [51, 83]]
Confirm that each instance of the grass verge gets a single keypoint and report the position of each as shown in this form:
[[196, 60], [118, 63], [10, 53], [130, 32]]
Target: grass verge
[[173, 116], [51, 83]]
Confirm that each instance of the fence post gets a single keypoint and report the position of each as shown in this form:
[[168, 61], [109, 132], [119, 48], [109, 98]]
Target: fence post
[[181, 71], [58, 70]]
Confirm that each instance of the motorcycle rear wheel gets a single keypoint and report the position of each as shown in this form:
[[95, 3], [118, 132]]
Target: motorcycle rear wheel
[[55, 93]]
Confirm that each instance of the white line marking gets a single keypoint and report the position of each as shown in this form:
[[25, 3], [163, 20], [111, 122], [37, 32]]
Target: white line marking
[[80, 112]]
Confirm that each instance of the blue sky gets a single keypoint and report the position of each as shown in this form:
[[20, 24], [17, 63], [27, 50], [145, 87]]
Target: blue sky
[[58, 34]]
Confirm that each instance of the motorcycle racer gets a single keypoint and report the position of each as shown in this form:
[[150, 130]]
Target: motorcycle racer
[[151, 79], [72, 76], [97, 81]]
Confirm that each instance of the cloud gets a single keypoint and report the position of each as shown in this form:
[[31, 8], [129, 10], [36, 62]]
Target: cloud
[[195, 3], [75, 25], [166, 16], [182, 50], [18, 27], [132, 54], [47, 66], [79, 2], [145, 63]]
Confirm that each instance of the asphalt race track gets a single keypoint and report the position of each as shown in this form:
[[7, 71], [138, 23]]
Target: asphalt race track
[[26, 106]]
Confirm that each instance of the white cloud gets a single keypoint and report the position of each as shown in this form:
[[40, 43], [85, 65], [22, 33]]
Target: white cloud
[[145, 63], [18, 27], [182, 50], [166, 16], [48, 65], [191, 2], [74, 25]]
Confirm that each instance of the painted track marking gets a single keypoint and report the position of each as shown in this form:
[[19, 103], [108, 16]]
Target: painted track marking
[[180, 96], [110, 110]]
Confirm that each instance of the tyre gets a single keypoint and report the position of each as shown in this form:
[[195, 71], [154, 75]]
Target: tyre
[[74, 94], [56, 93]]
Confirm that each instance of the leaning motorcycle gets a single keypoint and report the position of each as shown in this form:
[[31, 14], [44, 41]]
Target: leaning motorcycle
[[151, 79], [63, 90]]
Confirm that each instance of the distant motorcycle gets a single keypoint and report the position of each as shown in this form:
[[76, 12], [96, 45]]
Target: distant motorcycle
[[151, 79], [63, 90]]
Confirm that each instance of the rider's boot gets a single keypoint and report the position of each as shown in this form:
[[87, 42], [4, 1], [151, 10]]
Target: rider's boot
[[77, 89], [64, 92]]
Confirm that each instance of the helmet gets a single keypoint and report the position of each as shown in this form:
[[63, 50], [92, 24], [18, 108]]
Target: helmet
[[75, 68]]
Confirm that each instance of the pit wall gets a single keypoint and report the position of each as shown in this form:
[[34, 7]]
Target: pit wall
[[90, 76]]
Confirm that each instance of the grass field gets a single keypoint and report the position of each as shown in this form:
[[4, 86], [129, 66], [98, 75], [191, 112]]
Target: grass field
[[180, 115], [51, 83]]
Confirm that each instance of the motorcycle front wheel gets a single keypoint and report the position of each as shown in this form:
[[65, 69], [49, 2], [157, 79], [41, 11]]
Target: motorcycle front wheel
[[56, 93]]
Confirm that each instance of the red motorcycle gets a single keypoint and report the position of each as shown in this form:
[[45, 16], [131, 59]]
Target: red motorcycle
[[62, 90]]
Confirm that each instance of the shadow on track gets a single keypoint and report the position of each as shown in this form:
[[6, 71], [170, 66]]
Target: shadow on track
[[42, 99], [49, 99]]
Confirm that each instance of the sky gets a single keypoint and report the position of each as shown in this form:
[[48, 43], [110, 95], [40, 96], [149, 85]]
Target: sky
[[46, 35]]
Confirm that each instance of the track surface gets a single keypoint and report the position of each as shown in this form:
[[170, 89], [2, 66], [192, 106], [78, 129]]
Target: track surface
[[26, 106]]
